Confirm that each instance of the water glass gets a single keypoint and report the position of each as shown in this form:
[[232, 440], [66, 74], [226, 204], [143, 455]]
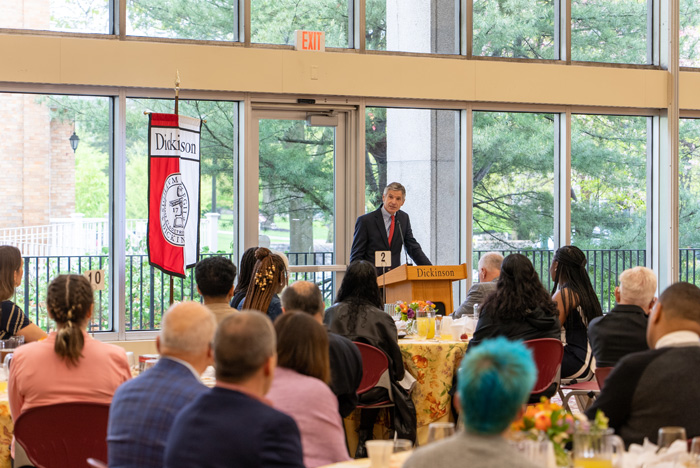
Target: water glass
[[438, 328], [669, 434], [476, 313], [379, 452], [402, 445], [695, 451], [439, 431]]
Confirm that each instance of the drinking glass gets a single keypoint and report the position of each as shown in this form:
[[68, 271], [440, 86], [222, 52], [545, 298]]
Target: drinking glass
[[438, 328], [475, 316], [597, 448], [379, 452], [438, 431], [695, 451], [402, 445], [422, 324], [669, 434]]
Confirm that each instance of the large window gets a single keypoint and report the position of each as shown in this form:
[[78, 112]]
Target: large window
[[55, 161], [689, 199], [413, 26], [609, 195], [56, 15], [514, 28], [689, 33], [513, 179], [609, 31], [183, 19], [147, 289], [420, 149]]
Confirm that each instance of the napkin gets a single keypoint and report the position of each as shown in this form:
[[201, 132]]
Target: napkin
[[646, 456]]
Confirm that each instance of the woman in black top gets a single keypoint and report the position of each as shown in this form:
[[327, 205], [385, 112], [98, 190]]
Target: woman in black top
[[12, 320]]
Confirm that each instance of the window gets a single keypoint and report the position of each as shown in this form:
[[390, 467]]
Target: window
[[513, 179], [608, 196], [56, 208], [689, 52], [430, 27], [606, 31], [183, 19], [147, 289], [689, 199], [514, 28], [74, 16]]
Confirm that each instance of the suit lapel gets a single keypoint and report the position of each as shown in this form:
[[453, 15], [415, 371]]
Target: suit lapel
[[379, 218]]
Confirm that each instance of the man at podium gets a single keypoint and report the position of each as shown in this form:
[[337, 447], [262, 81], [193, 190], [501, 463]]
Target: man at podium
[[387, 228]]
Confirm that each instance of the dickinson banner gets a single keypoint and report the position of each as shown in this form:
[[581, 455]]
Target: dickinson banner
[[173, 192]]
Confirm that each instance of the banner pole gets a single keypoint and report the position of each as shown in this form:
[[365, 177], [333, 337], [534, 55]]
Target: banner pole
[[177, 102]]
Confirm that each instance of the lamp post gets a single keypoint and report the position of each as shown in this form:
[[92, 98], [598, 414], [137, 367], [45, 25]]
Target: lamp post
[[74, 140]]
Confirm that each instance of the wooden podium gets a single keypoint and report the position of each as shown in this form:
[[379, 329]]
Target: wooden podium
[[423, 283]]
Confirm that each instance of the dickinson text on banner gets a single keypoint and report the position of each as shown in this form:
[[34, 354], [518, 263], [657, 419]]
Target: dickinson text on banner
[[173, 192]]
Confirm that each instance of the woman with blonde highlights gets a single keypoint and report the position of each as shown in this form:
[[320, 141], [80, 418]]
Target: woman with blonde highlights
[[12, 320], [68, 366]]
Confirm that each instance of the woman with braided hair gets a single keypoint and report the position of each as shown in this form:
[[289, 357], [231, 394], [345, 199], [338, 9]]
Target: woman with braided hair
[[578, 304], [12, 320], [267, 281], [69, 365]]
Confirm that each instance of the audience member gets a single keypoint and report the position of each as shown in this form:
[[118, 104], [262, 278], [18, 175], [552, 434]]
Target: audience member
[[69, 365], [658, 387], [358, 316], [143, 409], [489, 272], [233, 425], [246, 265], [215, 276], [345, 358], [623, 330], [12, 320], [520, 308], [504, 371], [578, 304], [300, 388], [269, 278]]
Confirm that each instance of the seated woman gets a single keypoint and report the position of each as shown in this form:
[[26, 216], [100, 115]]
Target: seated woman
[[300, 388], [520, 308], [245, 272], [267, 281], [358, 316], [578, 304], [69, 365], [12, 320]]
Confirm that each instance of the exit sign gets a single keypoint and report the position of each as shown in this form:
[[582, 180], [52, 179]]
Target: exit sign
[[310, 40]]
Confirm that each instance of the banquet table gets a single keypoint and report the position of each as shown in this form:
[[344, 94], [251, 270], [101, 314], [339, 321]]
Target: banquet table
[[433, 364]]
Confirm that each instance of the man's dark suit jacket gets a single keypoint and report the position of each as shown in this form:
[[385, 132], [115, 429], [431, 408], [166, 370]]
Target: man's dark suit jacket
[[618, 333], [370, 237], [224, 428]]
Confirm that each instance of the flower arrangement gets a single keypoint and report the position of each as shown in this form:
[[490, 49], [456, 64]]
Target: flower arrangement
[[408, 309], [552, 421]]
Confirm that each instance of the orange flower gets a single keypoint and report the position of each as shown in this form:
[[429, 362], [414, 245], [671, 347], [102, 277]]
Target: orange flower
[[420, 377], [420, 361], [542, 421]]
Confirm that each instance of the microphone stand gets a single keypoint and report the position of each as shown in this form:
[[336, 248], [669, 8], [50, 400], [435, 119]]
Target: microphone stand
[[403, 243]]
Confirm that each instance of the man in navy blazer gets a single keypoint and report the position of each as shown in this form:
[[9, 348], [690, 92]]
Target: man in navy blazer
[[233, 425], [144, 408], [387, 228]]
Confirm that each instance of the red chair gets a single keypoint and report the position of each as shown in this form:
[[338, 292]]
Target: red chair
[[375, 373], [63, 435], [601, 373], [547, 353]]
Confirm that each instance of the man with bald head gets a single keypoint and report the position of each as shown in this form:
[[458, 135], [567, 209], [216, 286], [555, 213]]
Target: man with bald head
[[233, 425], [623, 330], [489, 271], [659, 387], [143, 409], [345, 359]]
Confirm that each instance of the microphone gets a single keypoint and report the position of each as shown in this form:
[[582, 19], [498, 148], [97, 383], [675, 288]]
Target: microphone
[[403, 243]]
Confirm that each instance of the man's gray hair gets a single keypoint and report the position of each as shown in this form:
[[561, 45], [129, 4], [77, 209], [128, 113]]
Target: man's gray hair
[[395, 186], [637, 286], [187, 327], [243, 342], [303, 296], [491, 261]]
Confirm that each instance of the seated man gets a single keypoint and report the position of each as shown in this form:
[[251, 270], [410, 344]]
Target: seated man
[[503, 370], [143, 409], [232, 425], [215, 277], [658, 387], [623, 330], [345, 358], [489, 271]]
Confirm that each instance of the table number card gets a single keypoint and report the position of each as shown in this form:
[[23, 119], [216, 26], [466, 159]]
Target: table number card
[[96, 278]]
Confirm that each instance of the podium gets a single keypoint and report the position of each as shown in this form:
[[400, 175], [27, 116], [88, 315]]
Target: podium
[[423, 283]]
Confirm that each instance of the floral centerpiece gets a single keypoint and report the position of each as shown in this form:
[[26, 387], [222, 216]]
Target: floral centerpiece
[[408, 311], [556, 424]]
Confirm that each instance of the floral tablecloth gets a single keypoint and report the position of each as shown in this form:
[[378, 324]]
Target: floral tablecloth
[[6, 427], [433, 364]]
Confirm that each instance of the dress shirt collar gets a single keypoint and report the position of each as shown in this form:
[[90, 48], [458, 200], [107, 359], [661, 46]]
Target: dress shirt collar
[[386, 215], [238, 388], [184, 363], [678, 338]]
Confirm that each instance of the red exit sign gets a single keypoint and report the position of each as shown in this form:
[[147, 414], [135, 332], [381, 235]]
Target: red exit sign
[[310, 40]]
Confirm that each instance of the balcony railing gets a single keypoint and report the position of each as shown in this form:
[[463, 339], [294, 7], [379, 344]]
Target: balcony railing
[[147, 289]]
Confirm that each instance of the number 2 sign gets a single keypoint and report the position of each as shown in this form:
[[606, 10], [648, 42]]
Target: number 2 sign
[[382, 259]]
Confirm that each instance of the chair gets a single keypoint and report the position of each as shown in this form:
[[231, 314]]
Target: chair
[[63, 435], [375, 373], [96, 463], [601, 373], [547, 353]]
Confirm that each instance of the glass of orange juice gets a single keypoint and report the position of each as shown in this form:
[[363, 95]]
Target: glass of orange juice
[[596, 448], [423, 325]]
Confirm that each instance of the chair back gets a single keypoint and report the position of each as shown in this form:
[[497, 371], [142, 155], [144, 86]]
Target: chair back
[[63, 435], [547, 353], [601, 373], [374, 364]]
